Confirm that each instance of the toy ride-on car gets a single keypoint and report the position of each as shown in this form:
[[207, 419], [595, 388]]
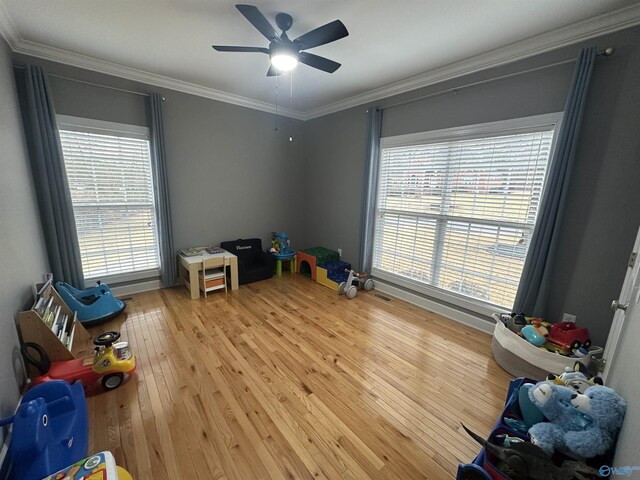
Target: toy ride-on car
[[355, 280], [110, 363], [92, 305]]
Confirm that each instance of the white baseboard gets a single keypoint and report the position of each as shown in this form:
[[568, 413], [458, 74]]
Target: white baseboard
[[138, 287], [472, 321], [4, 449]]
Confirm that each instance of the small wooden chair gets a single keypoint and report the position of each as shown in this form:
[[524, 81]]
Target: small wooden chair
[[216, 277]]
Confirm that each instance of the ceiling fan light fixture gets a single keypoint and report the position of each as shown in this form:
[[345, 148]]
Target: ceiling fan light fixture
[[284, 61]]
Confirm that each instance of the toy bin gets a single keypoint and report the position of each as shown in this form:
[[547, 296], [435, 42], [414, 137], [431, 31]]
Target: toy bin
[[483, 467], [521, 359]]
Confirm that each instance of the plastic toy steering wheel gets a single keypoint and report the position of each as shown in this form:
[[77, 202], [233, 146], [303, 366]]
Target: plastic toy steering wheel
[[106, 339]]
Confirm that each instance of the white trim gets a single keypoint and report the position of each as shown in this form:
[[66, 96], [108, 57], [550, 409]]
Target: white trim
[[510, 126], [101, 127], [123, 277], [454, 314], [139, 287], [5, 445], [8, 29], [600, 25], [562, 37], [462, 301], [66, 57], [4, 450]]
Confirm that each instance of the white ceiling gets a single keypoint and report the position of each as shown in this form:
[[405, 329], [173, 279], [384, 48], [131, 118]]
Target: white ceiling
[[391, 47]]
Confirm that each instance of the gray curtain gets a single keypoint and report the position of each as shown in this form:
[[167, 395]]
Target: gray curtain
[[534, 282], [161, 183], [372, 161], [50, 178]]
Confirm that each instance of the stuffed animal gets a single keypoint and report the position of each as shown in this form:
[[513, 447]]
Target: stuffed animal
[[606, 409], [582, 424], [575, 379]]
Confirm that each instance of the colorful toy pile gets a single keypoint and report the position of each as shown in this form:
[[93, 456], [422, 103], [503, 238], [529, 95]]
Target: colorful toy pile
[[564, 427], [564, 338], [325, 267]]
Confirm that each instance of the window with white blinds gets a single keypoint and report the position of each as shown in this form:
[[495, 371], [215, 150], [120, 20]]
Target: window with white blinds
[[456, 209], [110, 179]]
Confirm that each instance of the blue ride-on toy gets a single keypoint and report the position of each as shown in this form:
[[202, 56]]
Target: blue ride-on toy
[[50, 430], [92, 305]]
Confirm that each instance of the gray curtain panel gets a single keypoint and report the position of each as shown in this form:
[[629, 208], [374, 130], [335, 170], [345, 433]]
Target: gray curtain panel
[[534, 283], [371, 167], [161, 182], [50, 178]]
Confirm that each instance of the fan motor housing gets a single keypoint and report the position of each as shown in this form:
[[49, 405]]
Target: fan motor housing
[[284, 21]]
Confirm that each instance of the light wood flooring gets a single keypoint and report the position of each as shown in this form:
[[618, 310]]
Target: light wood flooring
[[286, 379]]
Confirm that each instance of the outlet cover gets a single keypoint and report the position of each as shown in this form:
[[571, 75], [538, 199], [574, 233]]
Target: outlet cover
[[340, 252], [567, 317]]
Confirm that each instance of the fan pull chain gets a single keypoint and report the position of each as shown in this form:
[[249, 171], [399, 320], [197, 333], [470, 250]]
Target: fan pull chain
[[290, 102], [276, 129]]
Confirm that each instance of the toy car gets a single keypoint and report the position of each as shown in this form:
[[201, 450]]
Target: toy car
[[567, 336], [111, 362], [355, 280], [92, 305]]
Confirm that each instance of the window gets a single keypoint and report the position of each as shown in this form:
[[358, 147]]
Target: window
[[109, 171], [456, 208]]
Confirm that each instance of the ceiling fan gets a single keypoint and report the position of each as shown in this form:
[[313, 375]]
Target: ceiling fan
[[283, 52]]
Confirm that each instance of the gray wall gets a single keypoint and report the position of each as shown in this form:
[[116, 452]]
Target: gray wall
[[230, 174], [23, 257], [601, 220]]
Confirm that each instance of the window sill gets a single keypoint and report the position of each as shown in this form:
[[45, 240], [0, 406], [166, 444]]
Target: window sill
[[477, 306], [124, 277]]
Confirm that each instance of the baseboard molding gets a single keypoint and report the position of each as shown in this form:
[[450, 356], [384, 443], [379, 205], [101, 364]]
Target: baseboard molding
[[454, 314], [5, 461], [137, 287]]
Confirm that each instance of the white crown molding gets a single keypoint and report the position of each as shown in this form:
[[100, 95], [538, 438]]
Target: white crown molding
[[89, 63], [26, 47], [595, 26], [7, 28], [608, 23]]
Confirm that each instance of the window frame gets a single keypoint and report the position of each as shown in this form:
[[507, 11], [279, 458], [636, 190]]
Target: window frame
[[489, 129], [103, 127]]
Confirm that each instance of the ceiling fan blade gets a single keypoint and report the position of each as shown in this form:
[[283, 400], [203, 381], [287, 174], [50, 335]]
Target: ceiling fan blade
[[273, 71], [258, 20], [318, 62], [325, 34], [226, 48]]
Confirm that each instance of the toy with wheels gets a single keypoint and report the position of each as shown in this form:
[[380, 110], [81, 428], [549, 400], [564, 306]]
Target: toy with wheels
[[355, 280], [567, 336], [111, 362], [92, 305], [50, 430]]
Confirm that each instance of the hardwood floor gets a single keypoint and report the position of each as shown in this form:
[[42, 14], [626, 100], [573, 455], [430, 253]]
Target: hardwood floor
[[285, 379]]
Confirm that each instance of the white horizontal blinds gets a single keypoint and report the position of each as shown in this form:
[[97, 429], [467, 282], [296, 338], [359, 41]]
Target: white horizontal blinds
[[113, 203], [458, 215]]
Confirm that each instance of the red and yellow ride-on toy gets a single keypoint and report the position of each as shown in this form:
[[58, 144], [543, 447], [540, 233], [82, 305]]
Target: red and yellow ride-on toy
[[110, 363]]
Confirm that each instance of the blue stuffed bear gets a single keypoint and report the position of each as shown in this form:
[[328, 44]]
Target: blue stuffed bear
[[582, 424]]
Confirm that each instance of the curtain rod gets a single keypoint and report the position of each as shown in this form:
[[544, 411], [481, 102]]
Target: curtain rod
[[20, 67], [605, 53]]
